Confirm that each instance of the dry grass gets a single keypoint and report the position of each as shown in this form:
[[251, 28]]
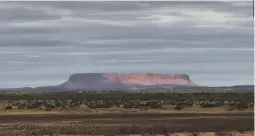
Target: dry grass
[[80, 110], [186, 134], [214, 134], [27, 112]]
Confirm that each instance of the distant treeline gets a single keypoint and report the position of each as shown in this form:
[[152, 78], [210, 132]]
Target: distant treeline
[[115, 95], [143, 99]]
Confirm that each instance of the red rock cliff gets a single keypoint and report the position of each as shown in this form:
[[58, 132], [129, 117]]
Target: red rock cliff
[[119, 80]]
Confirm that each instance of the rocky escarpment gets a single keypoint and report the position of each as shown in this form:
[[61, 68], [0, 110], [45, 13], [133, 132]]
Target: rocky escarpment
[[123, 81]]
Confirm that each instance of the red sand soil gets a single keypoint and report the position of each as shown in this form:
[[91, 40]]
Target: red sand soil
[[114, 124]]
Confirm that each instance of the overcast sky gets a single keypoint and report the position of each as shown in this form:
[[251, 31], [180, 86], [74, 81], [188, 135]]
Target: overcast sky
[[42, 43]]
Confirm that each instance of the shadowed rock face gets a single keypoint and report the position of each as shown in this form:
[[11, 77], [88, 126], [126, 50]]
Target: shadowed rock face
[[124, 80]]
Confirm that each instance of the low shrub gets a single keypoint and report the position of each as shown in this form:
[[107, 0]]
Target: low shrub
[[8, 107]]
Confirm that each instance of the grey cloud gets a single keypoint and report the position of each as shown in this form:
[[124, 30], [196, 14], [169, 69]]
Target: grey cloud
[[126, 10], [21, 14], [47, 41]]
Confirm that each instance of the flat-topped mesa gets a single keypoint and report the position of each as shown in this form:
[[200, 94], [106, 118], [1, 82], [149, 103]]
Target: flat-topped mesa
[[145, 78], [86, 76], [122, 80], [127, 76]]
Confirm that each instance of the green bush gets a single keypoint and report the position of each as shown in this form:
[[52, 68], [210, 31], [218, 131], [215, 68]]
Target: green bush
[[179, 107], [8, 107], [242, 106], [128, 105]]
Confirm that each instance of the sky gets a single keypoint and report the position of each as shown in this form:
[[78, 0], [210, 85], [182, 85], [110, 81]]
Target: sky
[[42, 43]]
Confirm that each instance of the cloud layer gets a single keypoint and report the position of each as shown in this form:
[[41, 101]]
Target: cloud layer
[[42, 43]]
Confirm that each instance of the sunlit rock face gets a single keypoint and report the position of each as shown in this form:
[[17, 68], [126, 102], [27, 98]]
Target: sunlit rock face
[[124, 80]]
